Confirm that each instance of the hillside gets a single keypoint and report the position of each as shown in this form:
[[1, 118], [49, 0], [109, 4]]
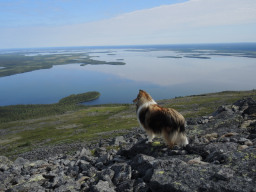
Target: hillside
[[101, 148], [35, 126]]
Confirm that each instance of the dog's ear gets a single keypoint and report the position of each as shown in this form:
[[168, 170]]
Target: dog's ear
[[141, 91]]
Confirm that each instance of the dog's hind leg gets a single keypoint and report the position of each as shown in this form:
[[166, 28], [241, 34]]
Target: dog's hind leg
[[151, 136], [170, 138]]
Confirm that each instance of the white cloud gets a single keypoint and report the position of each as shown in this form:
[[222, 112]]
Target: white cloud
[[195, 21]]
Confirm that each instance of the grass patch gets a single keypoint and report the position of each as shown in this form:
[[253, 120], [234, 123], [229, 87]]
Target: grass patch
[[200, 105], [56, 130], [23, 112]]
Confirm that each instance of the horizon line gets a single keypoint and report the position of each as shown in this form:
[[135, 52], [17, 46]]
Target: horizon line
[[131, 45]]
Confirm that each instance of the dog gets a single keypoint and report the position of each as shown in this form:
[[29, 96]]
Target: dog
[[160, 121]]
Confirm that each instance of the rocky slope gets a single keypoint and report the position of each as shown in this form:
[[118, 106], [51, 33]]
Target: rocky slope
[[221, 156]]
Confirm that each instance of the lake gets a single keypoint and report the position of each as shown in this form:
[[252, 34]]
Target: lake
[[164, 72]]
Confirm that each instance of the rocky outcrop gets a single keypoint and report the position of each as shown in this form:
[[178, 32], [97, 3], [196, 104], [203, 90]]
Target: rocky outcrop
[[221, 156]]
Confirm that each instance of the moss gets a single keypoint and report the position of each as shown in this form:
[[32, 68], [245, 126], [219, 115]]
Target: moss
[[93, 152], [37, 178], [249, 156], [156, 143], [176, 183], [113, 147]]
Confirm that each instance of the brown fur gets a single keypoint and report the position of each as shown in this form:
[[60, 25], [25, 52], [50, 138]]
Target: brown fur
[[156, 120]]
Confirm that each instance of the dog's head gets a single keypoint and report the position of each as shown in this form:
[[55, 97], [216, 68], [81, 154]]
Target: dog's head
[[142, 98]]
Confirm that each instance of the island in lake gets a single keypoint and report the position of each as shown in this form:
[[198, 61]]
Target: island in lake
[[15, 63]]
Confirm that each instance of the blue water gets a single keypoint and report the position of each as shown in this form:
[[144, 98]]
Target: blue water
[[162, 77]]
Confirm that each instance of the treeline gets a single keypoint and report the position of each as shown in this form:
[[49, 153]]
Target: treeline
[[23, 112]]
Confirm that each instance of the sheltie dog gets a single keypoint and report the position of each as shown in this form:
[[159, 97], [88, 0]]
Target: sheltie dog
[[160, 121]]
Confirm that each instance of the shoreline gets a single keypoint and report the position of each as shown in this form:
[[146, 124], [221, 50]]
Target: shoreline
[[128, 103]]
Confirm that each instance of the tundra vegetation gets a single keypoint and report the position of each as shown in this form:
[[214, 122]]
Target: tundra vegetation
[[26, 127]]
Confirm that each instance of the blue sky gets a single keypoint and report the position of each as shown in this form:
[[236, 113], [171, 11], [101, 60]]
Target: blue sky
[[53, 23], [14, 13]]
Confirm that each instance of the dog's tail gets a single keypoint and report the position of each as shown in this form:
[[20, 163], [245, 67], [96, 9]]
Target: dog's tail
[[178, 137], [181, 139]]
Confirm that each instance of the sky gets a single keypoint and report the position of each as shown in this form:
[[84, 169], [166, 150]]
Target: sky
[[56, 23]]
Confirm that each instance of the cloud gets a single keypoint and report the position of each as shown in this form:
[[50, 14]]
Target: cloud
[[195, 21], [189, 15]]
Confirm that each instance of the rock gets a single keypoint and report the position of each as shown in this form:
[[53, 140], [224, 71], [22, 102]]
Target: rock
[[248, 143], [15, 181], [85, 152], [91, 172], [242, 104], [49, 176], [242, 140], [142, 163], [140, 186], [242, 147], [102, 186], [5, 161], [68, 185], [99, 165], [126, 186], [220, 157], [251, 110], [99, 152], [197, 161], [191, 121], [229, 134], [104, 159], [224, 174], [84, 165], [30, 186], [176, 175], [194, 139], [83, 178], [198, 149], [107, 175], [222, 109], [122, 171], [153, 149], [211, 136], [21, 162], [118, 140], [252, 132], [73, 170], [202, 121], [163, 180]]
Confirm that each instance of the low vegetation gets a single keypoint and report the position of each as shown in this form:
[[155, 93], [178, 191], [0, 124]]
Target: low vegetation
[[24, 128], [205, 104], [15, 63], [23, 112]]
